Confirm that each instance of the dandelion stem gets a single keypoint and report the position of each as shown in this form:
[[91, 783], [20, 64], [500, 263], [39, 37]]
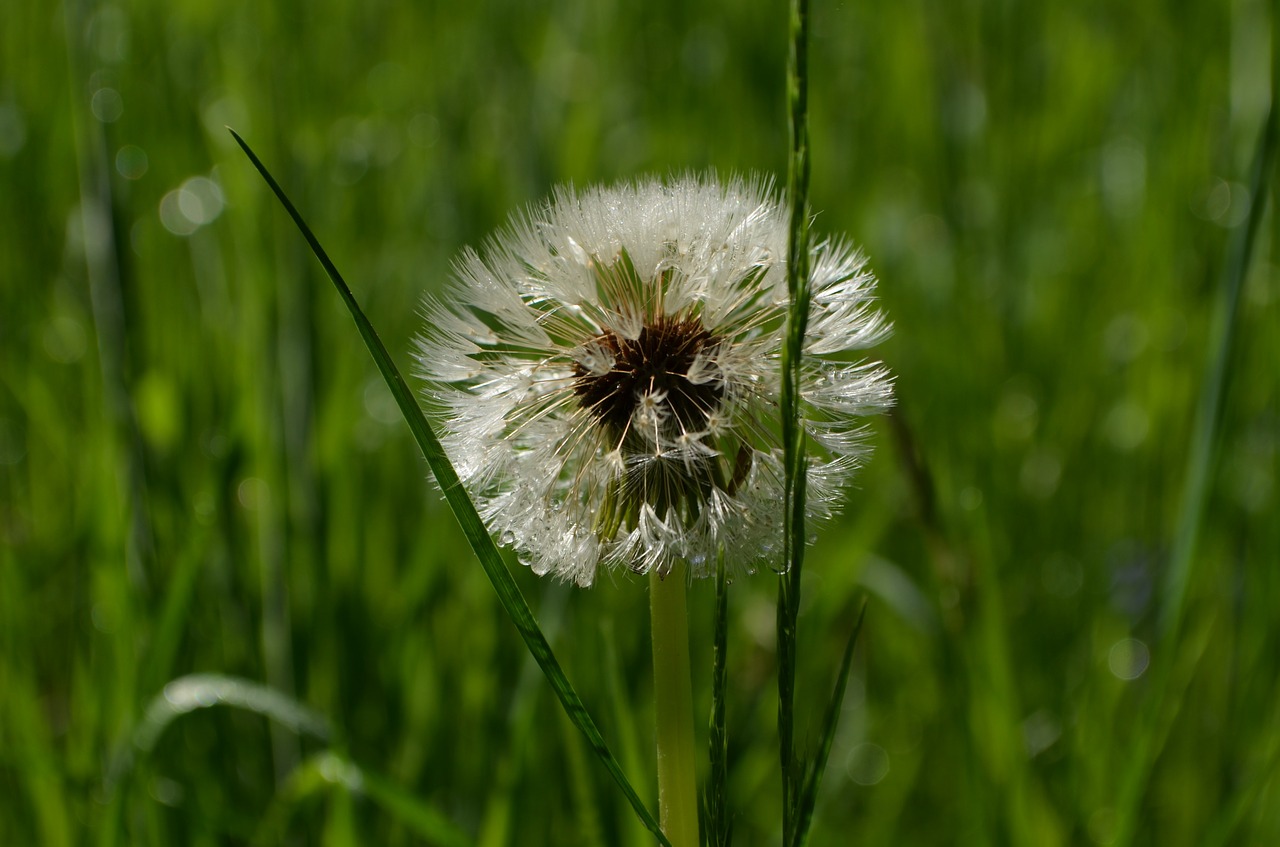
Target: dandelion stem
[[673, 703]]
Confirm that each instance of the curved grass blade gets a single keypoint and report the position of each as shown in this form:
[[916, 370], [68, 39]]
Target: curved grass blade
[[328, 770], [808, 798], [202, 691], [182, 696], [464, 511]]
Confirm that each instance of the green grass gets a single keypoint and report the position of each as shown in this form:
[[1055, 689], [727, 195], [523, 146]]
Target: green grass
[[202, 473]]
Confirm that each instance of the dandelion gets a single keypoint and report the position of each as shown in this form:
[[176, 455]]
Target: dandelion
[[609, 372]]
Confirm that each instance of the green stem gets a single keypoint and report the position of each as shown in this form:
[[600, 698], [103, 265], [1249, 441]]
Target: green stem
[[792, 432], [673, 703]]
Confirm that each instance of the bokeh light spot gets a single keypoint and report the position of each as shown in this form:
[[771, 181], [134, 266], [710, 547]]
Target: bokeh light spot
[[1126, 425], [867, 764], [197, 202], [131, 161], [107, 105], [1128, 658]]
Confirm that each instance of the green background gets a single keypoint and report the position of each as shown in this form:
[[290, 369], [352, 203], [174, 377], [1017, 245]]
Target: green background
[[201, 472]]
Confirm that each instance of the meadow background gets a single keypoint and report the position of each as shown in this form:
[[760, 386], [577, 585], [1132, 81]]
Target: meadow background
[[202, 473]]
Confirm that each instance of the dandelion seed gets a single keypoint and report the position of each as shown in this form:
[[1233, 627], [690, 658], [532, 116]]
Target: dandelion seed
[[609, 373]]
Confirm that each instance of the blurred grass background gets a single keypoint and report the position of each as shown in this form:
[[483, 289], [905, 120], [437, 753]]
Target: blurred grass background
[[201, 472]]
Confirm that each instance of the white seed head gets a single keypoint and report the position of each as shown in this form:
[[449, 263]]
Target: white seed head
[[609, 373], [594, 358]]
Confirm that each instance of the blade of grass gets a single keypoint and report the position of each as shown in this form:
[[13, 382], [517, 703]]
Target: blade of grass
[[179, 594], [328, 770], [464, 511], [108, 279], [586, 809], [410, 810], [624, 721], [32, 757], [496, 824], [808, 798], [202, 691], [1200, 463], [792, 434], [717, 791], [1201, 459], [1244, 800]]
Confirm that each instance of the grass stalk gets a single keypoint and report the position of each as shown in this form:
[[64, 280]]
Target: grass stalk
[[717, 791], [108, 278], [792, 434], [808, 797], [673, 706]]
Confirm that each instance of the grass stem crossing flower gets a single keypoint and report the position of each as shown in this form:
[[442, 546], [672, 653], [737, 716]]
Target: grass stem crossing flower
[[609, 372]]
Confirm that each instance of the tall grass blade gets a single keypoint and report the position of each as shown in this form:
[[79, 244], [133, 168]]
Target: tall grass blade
[[624, 720], [108, 278], [717, 790], [506, 770], [178, 598], [587, 825], [464, 511], [808, 798], [792, 434], [1200, 464], [1201, 459], [1226, 827], [410, 810]]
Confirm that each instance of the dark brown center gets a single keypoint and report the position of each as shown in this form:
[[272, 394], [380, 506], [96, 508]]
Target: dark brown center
[[657, 363]]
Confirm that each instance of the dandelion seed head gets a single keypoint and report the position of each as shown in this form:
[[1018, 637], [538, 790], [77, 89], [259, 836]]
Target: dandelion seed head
[[608, 370]]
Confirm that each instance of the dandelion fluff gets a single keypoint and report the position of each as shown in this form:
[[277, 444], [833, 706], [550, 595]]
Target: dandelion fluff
[[609, 375]]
